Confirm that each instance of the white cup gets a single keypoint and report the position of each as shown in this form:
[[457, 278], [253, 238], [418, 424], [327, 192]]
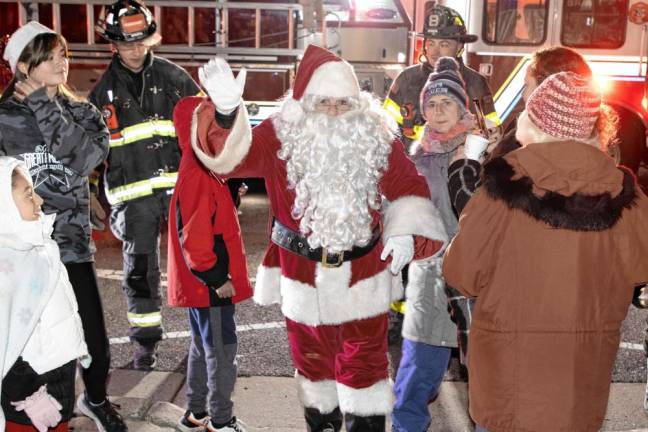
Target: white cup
[[475, 147]]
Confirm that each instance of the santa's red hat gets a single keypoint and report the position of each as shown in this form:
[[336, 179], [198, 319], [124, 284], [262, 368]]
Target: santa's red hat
[[320, 73]]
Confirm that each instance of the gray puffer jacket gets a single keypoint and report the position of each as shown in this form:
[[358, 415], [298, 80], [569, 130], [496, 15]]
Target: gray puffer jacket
[[61, 141]]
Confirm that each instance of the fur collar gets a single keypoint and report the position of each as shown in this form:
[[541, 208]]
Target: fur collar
[[577, 212]]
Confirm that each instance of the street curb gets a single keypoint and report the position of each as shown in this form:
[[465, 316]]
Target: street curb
[[270, 404]]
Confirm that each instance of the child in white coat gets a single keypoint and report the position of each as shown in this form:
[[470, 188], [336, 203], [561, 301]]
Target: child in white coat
[[40, 330]]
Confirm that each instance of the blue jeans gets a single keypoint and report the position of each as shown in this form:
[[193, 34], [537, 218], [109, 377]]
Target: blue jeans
[[480, 429], [419, 376]]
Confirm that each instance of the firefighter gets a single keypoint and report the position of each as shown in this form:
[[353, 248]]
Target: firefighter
[[444, 34], [137, 94]]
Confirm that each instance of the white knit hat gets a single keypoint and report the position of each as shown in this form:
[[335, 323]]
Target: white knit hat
[[19, 40]]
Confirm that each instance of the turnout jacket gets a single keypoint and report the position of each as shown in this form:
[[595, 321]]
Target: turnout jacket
[[205, 246], [61, 141], [144, 154], [551, 245], [403, 100]]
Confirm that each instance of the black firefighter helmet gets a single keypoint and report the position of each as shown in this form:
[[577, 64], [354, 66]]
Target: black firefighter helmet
[[127, 21], [442, 22]]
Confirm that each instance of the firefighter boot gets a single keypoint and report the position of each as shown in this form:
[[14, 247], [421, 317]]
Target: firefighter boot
[[355, 423], [318, 422]]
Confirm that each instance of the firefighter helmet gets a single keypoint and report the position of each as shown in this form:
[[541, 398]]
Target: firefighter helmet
[[127, 21], [442, 22]]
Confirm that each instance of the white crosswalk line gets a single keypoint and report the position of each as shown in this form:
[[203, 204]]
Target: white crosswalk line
[[119, 275], [186, 334], [631, 346]]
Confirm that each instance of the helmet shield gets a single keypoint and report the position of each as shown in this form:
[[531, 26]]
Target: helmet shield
[[442, 22], [127, 21]]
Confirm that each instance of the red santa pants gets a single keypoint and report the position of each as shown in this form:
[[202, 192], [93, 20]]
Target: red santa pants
[[343, 364]]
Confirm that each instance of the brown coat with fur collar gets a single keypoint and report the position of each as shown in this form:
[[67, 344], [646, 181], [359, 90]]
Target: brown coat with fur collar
[[552, 246]]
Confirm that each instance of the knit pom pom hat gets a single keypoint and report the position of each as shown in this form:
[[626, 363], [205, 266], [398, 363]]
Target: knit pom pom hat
[[445, 80], [565, 106]]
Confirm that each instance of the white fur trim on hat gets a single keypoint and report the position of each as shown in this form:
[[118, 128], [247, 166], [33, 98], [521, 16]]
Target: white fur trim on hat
[[321, 395], [377, 399], [334, 79], [19, 40], [291, 111]]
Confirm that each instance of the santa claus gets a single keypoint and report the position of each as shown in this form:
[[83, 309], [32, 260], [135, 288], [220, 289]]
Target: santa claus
[[330, 160]]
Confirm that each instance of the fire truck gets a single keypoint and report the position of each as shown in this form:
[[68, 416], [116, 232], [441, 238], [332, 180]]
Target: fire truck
[[379, 37], [610, 34], [267, 37]]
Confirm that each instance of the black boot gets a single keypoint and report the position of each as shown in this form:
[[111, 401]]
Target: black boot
[[318, 422], [356, 423]]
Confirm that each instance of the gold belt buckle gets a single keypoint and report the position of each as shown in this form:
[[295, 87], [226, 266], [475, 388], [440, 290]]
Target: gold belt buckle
[[338, 263]]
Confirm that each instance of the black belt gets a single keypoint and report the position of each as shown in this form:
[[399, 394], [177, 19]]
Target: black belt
[[290, 240]]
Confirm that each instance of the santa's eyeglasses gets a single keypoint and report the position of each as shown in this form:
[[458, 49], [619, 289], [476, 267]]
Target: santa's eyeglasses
[[328, 104]]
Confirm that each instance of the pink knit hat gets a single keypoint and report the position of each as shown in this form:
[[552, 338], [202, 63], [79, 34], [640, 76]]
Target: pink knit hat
[[565, 106]]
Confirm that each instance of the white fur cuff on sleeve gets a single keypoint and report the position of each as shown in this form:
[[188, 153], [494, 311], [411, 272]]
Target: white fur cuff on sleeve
[[414, 215], [237, 144]]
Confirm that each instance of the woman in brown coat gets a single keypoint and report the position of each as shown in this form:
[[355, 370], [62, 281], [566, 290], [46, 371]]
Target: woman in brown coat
[[551, 246]]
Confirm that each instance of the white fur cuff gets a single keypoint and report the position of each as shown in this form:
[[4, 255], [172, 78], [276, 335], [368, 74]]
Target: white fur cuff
[[267, 289], [414, 215], [237, 144], [321, 395], [376, 399]]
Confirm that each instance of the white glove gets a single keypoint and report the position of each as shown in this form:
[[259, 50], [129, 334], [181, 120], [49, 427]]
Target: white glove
[[475, 147], [223, 89], [401, 248]]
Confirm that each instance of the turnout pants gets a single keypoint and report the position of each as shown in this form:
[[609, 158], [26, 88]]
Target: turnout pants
[[137, 224], [343, 366]]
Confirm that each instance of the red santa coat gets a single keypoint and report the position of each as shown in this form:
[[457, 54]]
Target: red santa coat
[[308, 292], [204, 232], [347, 304]]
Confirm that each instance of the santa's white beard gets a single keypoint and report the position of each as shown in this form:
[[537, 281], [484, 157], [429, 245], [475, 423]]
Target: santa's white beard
[[334, 163]]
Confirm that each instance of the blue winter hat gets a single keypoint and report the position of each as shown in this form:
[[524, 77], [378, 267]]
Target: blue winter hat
[[445, 80]]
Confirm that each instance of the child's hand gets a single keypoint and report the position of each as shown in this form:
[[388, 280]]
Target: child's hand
[[226, 291], [41, 408]]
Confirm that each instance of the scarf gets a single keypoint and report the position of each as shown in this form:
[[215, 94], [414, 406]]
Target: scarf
[[437, 142]]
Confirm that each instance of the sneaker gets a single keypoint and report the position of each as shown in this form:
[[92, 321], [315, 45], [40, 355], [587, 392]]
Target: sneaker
[[328, 427], [233, 425], [105, 416], [191, 422], [145, 357]]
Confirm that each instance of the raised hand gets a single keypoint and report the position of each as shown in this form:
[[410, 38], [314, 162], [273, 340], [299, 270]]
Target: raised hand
[[223, 89], [26, 87]]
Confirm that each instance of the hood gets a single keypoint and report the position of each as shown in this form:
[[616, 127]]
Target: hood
[[566, 184], [16, 233]]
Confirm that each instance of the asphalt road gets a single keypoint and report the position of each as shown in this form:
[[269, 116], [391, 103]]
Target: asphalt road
[[263, 347]]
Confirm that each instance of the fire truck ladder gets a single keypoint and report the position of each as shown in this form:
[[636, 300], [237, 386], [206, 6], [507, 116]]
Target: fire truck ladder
[[191, 51]]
